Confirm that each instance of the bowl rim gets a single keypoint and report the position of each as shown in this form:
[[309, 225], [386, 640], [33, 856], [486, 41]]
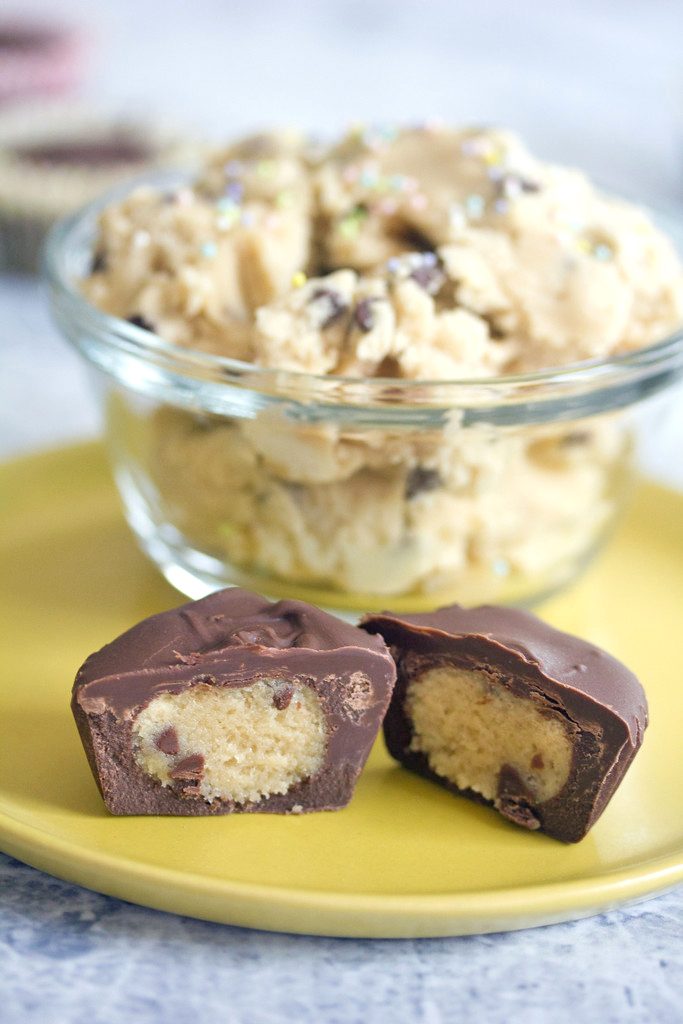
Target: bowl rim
[[635, 364]]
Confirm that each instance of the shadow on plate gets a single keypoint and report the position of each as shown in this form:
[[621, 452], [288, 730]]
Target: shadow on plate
[[43, 764]]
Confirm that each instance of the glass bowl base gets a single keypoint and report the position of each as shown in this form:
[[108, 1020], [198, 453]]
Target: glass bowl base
[[196, 574]]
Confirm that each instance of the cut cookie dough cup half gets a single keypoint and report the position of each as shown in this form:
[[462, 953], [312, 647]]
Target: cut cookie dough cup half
[[495, 705], [232, 704]]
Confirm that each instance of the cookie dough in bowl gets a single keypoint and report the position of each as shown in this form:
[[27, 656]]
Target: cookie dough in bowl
[[403, 365]]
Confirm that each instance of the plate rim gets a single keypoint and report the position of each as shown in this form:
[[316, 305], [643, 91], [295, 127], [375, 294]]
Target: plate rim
[[506, 908], [316, 911]]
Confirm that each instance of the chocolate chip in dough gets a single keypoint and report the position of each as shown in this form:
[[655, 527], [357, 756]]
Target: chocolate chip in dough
[[329, 304]]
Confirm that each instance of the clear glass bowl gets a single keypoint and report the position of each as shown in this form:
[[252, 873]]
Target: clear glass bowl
[[356, 494]]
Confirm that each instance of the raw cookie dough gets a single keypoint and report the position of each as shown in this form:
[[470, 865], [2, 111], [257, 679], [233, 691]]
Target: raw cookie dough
[[421, 514], [540, 269], [420, 254], [552, 264], [383, 191], [195, 263], [402, 323]]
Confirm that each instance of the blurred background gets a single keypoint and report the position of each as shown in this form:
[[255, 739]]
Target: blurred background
[[597, 83]]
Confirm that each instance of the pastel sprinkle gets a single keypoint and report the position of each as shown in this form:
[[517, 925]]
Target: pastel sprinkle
[[349, 225], [235, 191], [512, 186], [273, 221], [457, 218], [569, 223], [475, 146], [474, 205], [225, 223], [368, 179], [393, 265], [493, 158], [349, 228], [209, 250], [501, 206], [378, 136], [265, 168], [350, 174], [284, 200], [388, 207], [234, 168], [299, 279], [247, 218], [418, 201], [603, 252], [226, 205]]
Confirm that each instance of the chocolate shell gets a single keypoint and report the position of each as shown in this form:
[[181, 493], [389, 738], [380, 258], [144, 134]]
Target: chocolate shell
[[231, 639], [598, 699]]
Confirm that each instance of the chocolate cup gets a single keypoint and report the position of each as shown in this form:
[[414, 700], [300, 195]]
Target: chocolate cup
[[602, 702], [232, 639]]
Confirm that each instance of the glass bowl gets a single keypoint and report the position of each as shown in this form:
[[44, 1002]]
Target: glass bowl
[[355, 494]]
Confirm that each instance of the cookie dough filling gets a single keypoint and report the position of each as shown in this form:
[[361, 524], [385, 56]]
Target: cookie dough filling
[[474, 730], [237, 744]]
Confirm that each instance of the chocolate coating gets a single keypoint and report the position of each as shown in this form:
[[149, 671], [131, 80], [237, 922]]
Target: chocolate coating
[[231, 639], [600, 699]]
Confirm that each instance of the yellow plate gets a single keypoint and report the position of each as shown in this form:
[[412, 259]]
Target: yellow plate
[[405, 858]]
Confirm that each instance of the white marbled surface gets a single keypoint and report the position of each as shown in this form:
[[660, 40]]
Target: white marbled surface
[[597, 82], [69, 955]]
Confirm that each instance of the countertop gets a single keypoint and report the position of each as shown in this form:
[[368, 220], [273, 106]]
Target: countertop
[[71, 956], [67, 954]]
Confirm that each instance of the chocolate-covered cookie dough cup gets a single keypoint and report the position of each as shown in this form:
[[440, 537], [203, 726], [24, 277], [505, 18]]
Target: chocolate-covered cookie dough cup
[[499, 707], [232, 704]]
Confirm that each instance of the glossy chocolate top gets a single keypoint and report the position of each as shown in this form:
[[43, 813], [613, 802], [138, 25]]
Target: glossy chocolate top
[[576, 670], [232, 631]]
